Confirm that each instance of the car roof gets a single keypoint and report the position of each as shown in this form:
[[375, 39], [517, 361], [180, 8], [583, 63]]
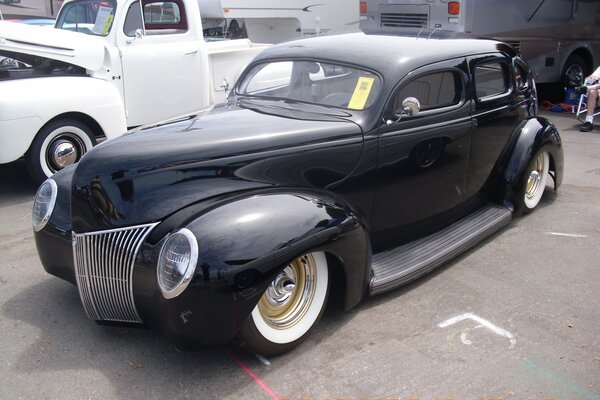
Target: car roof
[[390, 54]]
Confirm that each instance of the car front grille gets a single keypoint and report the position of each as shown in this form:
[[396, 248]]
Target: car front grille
[[404, 20], [104, 269]]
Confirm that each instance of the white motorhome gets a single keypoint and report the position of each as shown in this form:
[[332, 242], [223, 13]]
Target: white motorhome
[[273, 21], [109, 65], [559, 38]]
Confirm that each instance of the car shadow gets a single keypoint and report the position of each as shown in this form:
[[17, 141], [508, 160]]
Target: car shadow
[[136, 361], [15, 183]]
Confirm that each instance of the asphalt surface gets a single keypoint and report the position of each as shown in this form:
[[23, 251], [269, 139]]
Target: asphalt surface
[[516, 317]]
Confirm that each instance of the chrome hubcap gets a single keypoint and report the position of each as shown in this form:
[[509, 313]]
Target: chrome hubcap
[[63, 153], [289, 296], [535, 177]]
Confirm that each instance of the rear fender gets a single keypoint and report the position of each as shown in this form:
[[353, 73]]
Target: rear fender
[[534, 135]]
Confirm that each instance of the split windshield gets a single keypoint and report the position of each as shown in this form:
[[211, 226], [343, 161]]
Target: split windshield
[[92, 17], [312, 82]]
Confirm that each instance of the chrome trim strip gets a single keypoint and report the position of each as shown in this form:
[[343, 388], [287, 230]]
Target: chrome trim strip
[[104, 263]]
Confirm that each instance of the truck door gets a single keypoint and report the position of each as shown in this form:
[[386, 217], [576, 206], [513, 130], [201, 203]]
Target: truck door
[[162, 59]]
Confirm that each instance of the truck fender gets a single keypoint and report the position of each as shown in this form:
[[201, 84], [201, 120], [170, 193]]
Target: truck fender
[[22, 114], [533, 135], [245, 243]]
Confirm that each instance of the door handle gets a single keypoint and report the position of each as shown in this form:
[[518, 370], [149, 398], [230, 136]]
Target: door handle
[[189, 53]]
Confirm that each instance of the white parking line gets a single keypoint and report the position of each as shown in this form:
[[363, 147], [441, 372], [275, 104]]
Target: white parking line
[[573, 235], [482, 322]]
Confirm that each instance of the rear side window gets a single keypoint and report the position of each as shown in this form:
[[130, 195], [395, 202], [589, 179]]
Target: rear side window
[[491, 80], [521, 75], [434, 90]]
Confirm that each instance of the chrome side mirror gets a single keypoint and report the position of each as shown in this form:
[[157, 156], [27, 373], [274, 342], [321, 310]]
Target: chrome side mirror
[[410, 108]]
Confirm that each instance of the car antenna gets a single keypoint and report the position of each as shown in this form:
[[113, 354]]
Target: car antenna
[[432, 32]]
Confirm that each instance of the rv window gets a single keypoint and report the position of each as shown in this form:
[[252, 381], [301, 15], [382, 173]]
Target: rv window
[[491, 80], [436, 90]]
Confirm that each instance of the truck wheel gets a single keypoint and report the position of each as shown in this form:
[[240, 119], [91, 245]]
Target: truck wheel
[[290, 307], [534, 184], [575, 71], [57, 145]]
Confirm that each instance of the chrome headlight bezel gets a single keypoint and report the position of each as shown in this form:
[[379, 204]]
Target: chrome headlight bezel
[[39, 219], [190, 239]]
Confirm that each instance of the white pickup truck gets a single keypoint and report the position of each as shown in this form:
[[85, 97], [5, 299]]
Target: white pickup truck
[[110, 65]]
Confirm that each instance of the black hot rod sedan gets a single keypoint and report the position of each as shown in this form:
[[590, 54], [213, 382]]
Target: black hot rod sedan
[[353, 163]]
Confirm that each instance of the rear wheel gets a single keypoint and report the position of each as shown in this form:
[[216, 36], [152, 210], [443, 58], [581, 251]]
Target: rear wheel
[[575, 71], [58, 145], [290, 307], [535, 179]]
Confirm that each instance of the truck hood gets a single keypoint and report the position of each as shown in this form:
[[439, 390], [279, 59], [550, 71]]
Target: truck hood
[[147, 175], [71, 47]]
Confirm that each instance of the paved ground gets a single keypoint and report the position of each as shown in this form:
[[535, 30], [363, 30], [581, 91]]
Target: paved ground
[[520, 317]]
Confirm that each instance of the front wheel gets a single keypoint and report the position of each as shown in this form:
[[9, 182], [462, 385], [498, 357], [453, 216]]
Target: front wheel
[[290, 307], [534, 184], [57, 145]]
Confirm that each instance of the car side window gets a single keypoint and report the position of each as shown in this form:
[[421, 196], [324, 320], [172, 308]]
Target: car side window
[[521, 75], [159, 18], [434, 90], [133, 20], [491, 80]]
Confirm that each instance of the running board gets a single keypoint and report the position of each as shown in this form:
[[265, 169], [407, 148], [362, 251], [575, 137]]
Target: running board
[[397, 266]]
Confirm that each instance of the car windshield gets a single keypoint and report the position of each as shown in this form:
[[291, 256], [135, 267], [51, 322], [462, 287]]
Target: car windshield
[[93, 17], [313, 82]]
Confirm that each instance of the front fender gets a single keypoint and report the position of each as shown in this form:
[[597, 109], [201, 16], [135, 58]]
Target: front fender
[[534, 135], [26, 105], [243, 243]]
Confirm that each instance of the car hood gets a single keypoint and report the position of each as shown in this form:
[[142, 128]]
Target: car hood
[[71, 47], [149, 174]]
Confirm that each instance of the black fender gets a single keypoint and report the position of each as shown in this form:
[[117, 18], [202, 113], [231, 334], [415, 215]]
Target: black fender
[[535, 135], [244, 242]]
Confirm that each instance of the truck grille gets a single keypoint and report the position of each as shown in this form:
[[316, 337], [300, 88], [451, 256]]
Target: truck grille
[[104, 269], [404, 20]]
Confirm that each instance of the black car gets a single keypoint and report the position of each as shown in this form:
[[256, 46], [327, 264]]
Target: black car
[[342, 166]]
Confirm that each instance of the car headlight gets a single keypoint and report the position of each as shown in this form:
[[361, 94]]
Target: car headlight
[[43, 205], [177, 263]]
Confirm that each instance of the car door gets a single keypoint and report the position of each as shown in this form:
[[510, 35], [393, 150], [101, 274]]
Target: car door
[[497, 109], [423, 159], [163, 72]]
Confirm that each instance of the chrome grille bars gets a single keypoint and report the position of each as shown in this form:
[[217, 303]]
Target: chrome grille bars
[[104, 269]]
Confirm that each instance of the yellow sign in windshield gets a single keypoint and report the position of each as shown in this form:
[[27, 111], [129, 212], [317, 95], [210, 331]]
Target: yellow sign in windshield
[[361, 93]]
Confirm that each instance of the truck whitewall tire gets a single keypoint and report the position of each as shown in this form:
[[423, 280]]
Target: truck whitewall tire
[[57, 145]]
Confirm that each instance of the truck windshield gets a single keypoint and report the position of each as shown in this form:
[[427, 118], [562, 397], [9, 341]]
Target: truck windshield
[[93, 17], [312, 82]]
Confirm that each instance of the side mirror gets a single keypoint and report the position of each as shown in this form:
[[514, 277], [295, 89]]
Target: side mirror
[[410, 108]]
